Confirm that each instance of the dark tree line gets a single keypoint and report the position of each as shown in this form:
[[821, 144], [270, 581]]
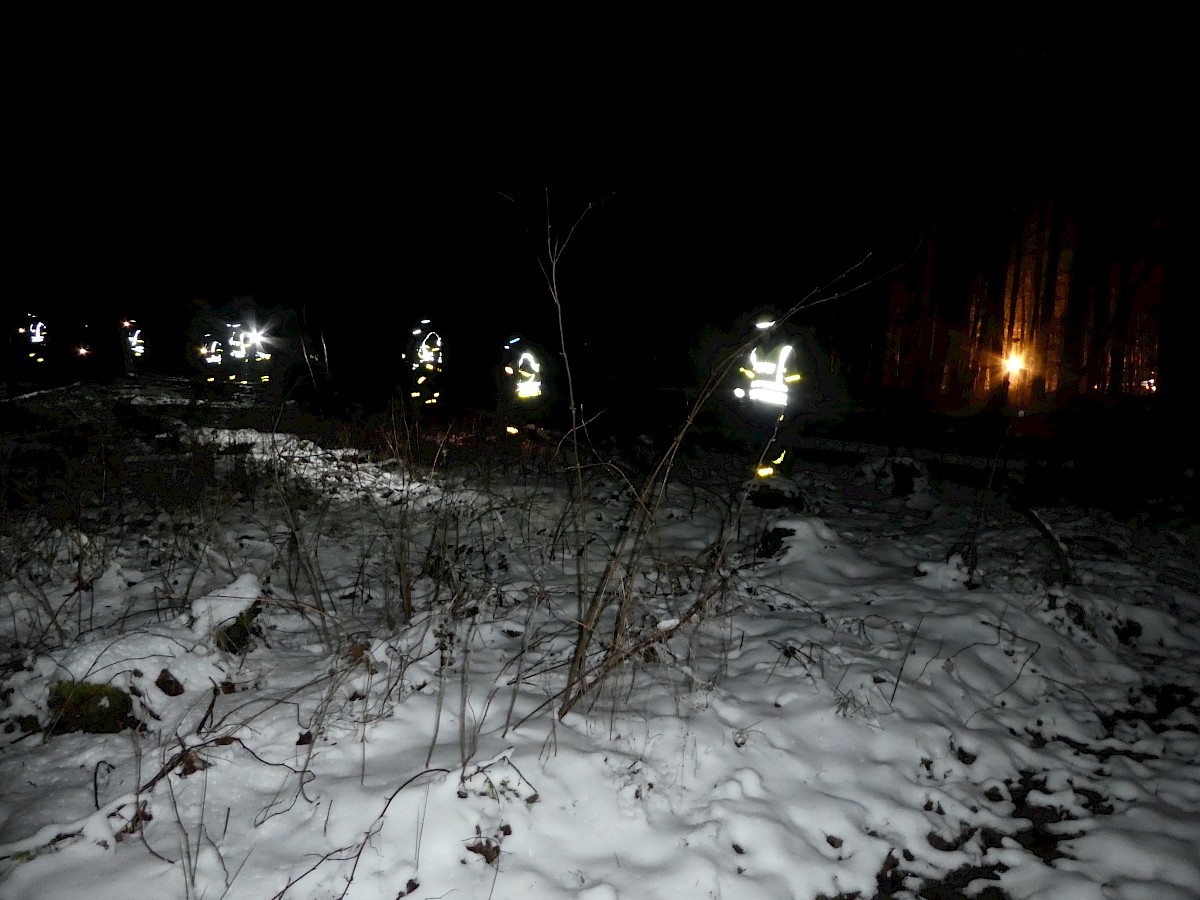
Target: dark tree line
[[1078, 288]]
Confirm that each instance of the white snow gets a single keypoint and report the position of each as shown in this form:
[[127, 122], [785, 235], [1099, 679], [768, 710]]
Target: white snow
[[866, 711]]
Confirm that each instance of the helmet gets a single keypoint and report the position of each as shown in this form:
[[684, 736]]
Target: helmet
[[765, 318]]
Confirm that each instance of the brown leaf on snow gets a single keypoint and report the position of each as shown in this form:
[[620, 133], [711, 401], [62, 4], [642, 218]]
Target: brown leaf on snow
[[168, 684], [489, 850]]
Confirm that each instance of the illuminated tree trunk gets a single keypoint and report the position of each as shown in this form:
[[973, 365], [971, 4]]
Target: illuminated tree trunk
[[992, 318], [1050, 310], [1036, 283], [1093, 300], [1023, 254], [1038, 277], [1052, 288], [1131, 278]]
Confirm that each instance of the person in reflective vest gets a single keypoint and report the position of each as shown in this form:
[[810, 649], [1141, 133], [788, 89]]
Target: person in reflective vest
[[424, 359], [767, 382], [35, 335], [524, 384], [246, 348], [134, 343]]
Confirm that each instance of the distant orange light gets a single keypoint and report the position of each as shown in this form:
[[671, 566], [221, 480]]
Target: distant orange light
[[1014, 363]]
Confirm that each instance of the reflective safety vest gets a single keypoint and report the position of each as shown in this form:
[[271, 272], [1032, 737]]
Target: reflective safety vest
[[429, 351], [37, 335], [246, 344], [521, 371], [210, 350], [526, 373], [137, 346], [769, 377], [425, 358]]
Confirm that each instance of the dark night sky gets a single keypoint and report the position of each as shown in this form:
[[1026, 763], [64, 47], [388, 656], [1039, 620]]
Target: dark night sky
[[718, 185]]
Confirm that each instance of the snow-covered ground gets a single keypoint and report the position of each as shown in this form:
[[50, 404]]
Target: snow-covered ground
[[861, 695]]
